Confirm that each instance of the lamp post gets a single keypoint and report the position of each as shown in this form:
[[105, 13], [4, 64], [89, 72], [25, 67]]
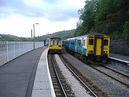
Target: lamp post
[[34, 34]]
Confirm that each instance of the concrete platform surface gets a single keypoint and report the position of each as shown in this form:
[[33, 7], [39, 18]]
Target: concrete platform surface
[[17, 76], [120, 58], [43, 85]]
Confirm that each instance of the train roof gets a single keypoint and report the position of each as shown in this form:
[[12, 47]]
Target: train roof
[[55, 37], [93, 33]]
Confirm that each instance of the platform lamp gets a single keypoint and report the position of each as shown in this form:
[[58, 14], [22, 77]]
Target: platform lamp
[[34, 34]]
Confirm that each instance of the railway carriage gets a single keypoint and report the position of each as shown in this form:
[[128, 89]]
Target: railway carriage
[[93, 45], [55, 45]]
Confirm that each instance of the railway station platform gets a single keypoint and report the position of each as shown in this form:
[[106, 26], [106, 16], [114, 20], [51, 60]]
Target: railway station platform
[[27, 76], [120, 58], [43, 84]]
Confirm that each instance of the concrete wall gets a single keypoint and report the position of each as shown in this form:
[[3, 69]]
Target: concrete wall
[[120, 47]]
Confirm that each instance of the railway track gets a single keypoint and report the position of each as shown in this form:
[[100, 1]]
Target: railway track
[[79, 78], [121, 71], [120, 64], [113, 74], [115, 70], [119, 60], [61, 88]]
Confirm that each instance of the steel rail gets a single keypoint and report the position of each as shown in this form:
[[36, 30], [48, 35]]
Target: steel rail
[[114, 70], [57, 76], [78, 78], [127, 85], [119, 60], [92, 66]]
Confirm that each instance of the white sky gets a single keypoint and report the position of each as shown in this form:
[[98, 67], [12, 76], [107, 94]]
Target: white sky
[[18, 16]]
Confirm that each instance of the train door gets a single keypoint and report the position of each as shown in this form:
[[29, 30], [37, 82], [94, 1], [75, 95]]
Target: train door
[[98, 46]]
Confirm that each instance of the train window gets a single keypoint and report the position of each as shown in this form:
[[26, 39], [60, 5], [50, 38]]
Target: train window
[[105, 42], [79, 42], [55, 42], [91, 41], [51, 42], [84, 42], [72, 42], [58, 42]]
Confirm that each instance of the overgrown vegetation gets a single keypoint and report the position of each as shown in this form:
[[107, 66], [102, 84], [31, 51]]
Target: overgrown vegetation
[[105, 16]]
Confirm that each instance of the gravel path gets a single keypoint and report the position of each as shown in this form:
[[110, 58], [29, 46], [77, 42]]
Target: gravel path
[[76, 87], [109, 86]]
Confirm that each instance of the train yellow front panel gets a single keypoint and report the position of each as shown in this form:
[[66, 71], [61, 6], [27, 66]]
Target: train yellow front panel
[[98, 46], [55, 47]]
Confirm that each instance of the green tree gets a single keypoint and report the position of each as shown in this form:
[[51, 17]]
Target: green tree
[[126, 30], [87, 15], [104, 16]]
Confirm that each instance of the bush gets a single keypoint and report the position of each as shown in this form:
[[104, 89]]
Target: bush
[[126, 30]]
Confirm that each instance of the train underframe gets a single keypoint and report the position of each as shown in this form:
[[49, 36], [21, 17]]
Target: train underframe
[[91, 57], [55, 51], [99, 58]]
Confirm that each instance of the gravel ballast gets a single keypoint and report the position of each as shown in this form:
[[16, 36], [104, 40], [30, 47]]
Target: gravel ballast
[[76, 87], [111, 87], [124, 68]]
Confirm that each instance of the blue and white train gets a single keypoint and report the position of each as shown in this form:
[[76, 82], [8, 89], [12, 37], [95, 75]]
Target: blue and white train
[[93, 45]]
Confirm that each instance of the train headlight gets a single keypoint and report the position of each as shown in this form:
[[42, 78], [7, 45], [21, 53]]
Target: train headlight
[[91, 52], [105, 52]]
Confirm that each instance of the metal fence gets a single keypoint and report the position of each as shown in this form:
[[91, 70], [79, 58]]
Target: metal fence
[[11, 50]]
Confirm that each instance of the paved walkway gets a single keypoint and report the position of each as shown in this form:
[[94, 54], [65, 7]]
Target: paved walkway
[[120, 58], [17, 76], [43, 84]]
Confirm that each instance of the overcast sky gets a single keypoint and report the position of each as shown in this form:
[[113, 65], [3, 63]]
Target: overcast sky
[[18, 16]]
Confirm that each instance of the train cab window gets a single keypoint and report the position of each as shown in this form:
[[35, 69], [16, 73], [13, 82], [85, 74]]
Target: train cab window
[[55, 42], [105, 42], [58, 42], [51, 42], [91, 42]]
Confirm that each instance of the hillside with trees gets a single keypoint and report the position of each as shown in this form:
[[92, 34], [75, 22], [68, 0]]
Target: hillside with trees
[[105, 16], [8, 37], [63, 34]]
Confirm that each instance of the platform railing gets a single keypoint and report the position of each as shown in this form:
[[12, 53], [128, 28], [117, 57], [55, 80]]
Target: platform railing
[[11, 50]]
